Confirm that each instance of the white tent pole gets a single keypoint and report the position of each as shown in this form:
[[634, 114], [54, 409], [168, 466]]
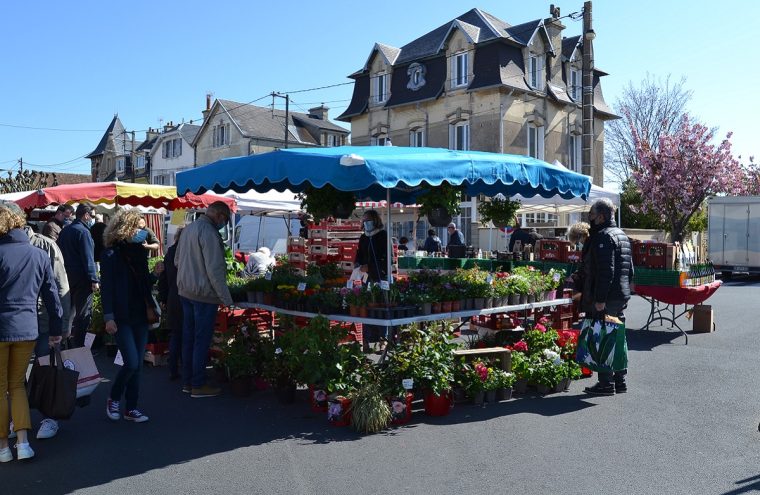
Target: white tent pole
[[387, 230]]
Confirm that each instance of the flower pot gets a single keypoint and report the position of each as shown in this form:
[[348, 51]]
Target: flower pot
[[286, 394], [427, 308], [563, 385], [551, 295], [318, 398], [470, 303], [241, 386], [267, 298], [531, 298], [446, 307], [514, 299], [489, 302], [521, 385], [491, 396], [539, 296], [438, 405], [353, 310], [478, 397], [252, 296], [436, 307], [459, 395], [456, 306], [362, 312], [504, 393], [401, 409], [543, 389], [339, 411], [439, 217], [523, 298], [478, 303]]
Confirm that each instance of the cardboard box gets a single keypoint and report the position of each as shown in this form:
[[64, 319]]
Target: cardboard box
[[703, 319]]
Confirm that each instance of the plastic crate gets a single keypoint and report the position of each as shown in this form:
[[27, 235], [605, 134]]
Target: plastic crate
[[296, 241], [318, 234], [296, 257], [553, 250], [297, 248]]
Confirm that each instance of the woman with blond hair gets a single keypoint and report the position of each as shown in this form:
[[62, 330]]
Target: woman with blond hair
[[578, 234], [126, 293], [25, 275]]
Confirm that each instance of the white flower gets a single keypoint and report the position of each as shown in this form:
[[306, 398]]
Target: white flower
[[278, 351]]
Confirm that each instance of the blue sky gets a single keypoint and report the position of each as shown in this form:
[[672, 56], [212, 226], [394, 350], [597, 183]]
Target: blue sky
[[72, 65]]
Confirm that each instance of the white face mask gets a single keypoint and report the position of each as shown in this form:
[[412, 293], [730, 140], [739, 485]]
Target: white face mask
[[369, 225]]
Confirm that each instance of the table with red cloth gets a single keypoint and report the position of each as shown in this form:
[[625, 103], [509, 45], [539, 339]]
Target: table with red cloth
[[664, 300]]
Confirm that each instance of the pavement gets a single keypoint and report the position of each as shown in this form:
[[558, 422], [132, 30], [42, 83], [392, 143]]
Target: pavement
[[688, 425]]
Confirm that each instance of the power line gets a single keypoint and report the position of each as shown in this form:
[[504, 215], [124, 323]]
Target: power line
[[49, 128], [318, 88]]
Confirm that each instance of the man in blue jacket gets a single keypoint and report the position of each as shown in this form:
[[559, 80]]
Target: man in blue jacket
[[78, 251]]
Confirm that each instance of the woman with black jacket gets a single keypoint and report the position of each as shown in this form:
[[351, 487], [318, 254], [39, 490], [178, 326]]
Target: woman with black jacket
[[170, 302], [372, 255], [126, 293]]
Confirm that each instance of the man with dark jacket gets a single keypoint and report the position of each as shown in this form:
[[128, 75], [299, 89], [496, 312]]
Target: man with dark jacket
[[525, 237], [78, 251], [608, 273], [52, 228]]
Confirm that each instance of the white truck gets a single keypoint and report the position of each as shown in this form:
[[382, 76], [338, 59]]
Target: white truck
[[733, 234]]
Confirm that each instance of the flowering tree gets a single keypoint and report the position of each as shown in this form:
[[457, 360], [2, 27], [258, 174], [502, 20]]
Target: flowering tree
[[676, 178]]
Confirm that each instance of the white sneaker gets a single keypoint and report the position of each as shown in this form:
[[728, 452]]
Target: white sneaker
[[24, 451], [136, 416], [112, 410], [6, 455], [48, 429], [11, 432]]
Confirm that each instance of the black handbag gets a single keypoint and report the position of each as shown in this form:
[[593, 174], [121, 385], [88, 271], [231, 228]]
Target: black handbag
[[52, 390]]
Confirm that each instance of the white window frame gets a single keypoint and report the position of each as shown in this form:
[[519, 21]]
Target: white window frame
[[535, 71], [380, 140], [460, 70], [140, 162], [382, 89], [574, 85], [454, 133], [535, 141], [333, 140], [574, 147], [121, 165], [417, 138]]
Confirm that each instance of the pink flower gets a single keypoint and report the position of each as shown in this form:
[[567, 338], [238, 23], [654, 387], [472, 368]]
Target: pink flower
[[521, 346], [540, 328]]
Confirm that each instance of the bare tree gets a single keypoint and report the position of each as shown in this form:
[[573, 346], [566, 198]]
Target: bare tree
[[27, 180], [653, 109]]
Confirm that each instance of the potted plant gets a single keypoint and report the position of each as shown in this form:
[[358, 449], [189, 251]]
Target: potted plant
[[326, 201], [439, 204], [477, 382], [278, 368], [499, 210], [370, 412], [506, 382], [357, 299], [239, 362]]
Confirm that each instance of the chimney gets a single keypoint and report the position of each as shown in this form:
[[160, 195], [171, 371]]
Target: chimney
[[319, 112], [554, 28], [208, 106], [169, 127], [151, 133]]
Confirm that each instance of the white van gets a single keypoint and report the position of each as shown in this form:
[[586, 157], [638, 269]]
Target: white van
[[255, 231]]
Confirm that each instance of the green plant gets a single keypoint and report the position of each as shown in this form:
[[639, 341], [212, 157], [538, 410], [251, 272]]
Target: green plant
[[370, 411], [97, 323], [499, 211], [233, 266], [322, 202], [426, 356], [444, 196]]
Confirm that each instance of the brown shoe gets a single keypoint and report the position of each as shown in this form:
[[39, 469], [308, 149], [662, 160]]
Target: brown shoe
[[205, 391]]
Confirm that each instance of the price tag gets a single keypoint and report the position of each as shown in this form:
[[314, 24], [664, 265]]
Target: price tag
[[89, 338], [119, 361], [407, 383], [350, 284], [556, 277], [301, 286], [489, 279], [268, 276], [384, 285]]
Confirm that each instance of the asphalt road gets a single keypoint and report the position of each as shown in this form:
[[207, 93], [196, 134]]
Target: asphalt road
[[688, 425]]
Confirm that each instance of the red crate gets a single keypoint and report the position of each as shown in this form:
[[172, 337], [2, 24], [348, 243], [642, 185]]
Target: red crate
[[553, 250], [296, 248], [650, 254], [296, 257], [296, 241]]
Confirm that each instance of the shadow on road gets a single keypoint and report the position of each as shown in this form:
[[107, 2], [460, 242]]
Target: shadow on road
[[647, 340], [751, 487]]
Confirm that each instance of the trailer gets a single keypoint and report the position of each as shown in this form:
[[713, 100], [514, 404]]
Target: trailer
[[733, 234]]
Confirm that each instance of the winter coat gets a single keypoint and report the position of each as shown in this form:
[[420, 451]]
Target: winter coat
[[78, 251], [432, 244], [25, 275], [49, 247], [607, 266], [167, 290], [201, 266], [373, 252], [126, 283]]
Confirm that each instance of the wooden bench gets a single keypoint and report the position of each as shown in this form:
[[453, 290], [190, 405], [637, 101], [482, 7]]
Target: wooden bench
[[505, 355]]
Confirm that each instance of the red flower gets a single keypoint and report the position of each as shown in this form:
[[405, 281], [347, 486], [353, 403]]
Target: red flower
[[521, 346]]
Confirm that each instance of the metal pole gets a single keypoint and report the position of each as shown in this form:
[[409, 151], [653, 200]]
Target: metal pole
[[287, 119], [132, 157], [588, 92], [389, 261]]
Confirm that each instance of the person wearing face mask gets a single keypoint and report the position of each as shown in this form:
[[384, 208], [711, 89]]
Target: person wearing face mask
[[125, 294], [202, 286], [372, 259], [78, 249], [578, 234]]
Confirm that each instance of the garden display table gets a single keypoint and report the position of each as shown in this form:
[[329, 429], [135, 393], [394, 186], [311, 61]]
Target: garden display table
[[663, 301], [432, 263]]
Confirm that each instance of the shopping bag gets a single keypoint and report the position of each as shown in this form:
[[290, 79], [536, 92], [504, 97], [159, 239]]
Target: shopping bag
[[52, 389], [602, 346], [79, 359]]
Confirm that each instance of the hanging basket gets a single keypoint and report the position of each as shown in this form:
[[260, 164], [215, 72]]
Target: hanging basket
[[439, 217], [343, 210]]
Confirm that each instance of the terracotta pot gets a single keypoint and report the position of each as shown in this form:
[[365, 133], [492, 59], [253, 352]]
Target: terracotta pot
[[446, 307], [362, 312], [353, 310], [436, 307]]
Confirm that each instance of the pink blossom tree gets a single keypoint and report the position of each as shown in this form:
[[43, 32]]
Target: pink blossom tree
[[686, 168]]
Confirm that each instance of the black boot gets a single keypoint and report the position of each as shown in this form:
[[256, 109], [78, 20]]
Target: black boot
[[600, 389], [621, 387]]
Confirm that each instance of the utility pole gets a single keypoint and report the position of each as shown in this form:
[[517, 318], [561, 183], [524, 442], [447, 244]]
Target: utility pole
[[287, 114], [132, 157], [21, 164], [588, 92]]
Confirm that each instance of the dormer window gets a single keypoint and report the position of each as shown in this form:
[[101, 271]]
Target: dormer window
[[382, 88], [459, 70], [535, 72], [574, 84]]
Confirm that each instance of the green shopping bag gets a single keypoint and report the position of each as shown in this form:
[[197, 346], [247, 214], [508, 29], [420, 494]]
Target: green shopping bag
[[602, 346]]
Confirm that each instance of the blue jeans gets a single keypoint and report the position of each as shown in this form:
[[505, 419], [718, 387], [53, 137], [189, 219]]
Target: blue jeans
[[131, 340], [197, 330]]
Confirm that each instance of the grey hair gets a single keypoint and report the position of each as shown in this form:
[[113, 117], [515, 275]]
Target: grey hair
[[604, 207]]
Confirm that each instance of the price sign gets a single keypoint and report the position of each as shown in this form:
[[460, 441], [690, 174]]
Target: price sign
[[89, 338], [489, 279], [119, 361], [384, 285], [301, 286], [556, 277], [268, 276], [407, 383]]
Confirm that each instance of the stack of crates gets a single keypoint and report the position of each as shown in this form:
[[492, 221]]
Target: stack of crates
[[334, 242], [553, 250], [297, 255]]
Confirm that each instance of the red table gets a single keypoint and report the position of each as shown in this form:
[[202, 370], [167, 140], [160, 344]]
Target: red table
[[672, 297]]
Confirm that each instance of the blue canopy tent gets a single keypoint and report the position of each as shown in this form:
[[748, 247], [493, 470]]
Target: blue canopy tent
[[394, 174]]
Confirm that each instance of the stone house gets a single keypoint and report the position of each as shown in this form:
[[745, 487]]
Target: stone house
[[232, 129], [172, 152], [112, 157]]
